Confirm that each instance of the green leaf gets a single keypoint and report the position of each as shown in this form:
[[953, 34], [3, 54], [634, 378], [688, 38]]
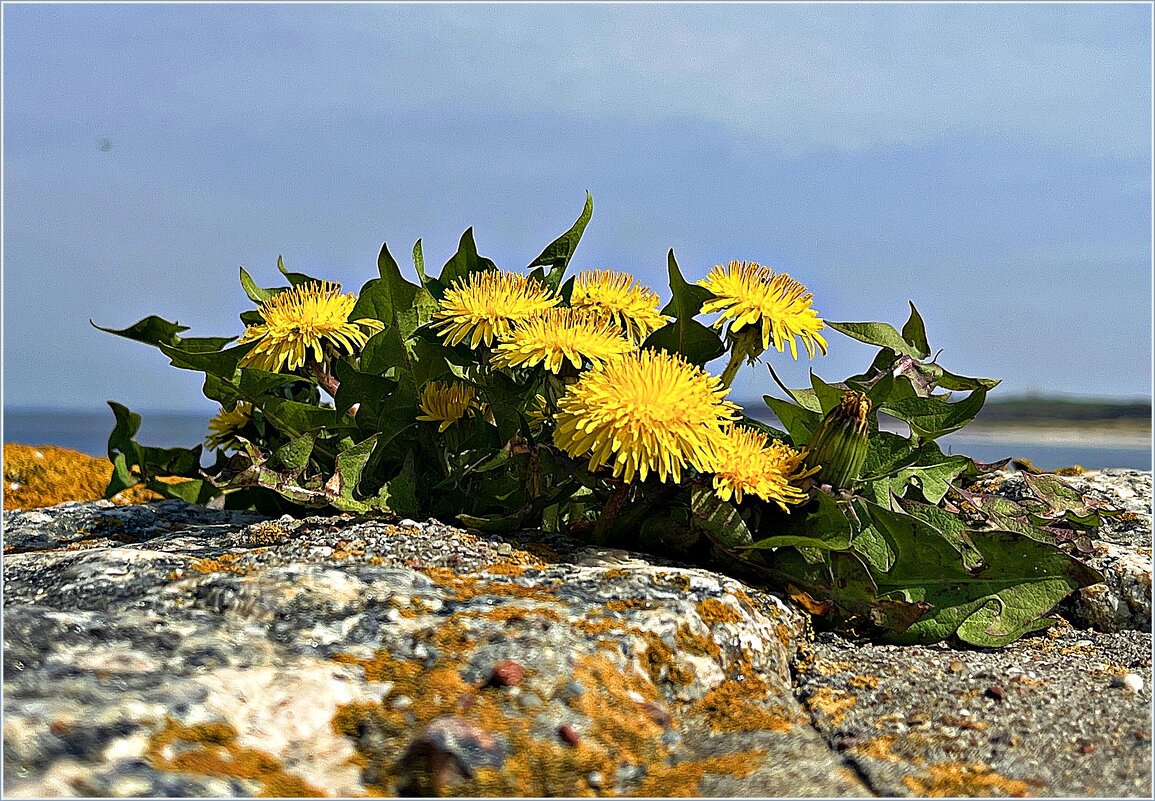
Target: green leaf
[[882, 335], [828, 396], [293, 418], [719, 519], [296, 279], [951, 526], [256, 294], [988, 607], [961, 383], [825, 526], [686, 336], [557, 255], [803, 397], [343, 483], [799, 422], [932, 417], [886, 452], [690, 339], [152, 330], [393, 300], [462, 263], [222, 363], [914, 332], [294, 455], [419, 263]]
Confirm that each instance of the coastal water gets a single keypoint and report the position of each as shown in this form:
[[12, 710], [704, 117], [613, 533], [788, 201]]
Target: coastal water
[[88, 432]]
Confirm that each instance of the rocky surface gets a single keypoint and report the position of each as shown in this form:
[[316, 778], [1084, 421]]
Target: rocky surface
[[170, 650]]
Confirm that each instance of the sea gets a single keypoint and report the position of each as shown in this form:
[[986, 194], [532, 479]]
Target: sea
[[88, 432]]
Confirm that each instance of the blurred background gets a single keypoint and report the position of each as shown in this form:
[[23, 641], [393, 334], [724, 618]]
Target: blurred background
[[991, 163]]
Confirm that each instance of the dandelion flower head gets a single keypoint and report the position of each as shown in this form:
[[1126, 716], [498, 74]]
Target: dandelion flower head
[[646, 412], [631, 305], [747, 465], [305, 319], [484, 304], [746, 293], [226, 423], [445, 403], [559, 335]]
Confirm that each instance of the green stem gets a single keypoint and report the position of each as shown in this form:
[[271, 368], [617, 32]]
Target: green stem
[[736, 356]]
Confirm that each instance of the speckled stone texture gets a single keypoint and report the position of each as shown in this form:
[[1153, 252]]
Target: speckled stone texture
[[171, 650]]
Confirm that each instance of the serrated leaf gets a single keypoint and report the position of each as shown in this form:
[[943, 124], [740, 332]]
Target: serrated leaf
[[393, 300], [690, 339], [932, 417], [557, 255], [914, 332], [152, 330], [461, 264], [686, 336], [882, 335], [828, 395], [989, 607], [295, 279]]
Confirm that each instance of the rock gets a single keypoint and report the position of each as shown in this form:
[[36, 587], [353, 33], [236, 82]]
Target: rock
[[169, 649], [912, 726]]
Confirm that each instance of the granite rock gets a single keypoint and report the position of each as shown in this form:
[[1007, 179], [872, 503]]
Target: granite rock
[[171, 650]]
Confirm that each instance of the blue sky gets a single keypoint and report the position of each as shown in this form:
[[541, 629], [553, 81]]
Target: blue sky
[[989, 162]]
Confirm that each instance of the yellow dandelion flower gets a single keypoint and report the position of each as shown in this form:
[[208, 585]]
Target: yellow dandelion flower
[[629, 304], [227, 422], [556, 335], [647, 412], [747, 465], [445, 403], [305, 318], [746, 293], [483, 305]]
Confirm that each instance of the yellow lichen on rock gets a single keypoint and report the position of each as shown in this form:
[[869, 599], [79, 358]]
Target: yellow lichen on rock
[[45, 475], [210, 749]]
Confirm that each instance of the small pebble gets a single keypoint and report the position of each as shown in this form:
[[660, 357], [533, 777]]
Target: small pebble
[[595, 779], [507, 674], [1132, 681], [402, 702], [505, 549], [569, 735], [995, 692], [407, 523], [956, 666]]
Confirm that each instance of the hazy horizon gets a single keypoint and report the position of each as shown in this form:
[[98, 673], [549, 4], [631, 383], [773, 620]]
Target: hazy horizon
[[989, 162]]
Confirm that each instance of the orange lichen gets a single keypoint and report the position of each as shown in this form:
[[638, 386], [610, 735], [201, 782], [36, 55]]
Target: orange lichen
[[702, 645], [225, 563], [832, 703], [735, 706], [683, 779], [210, 749], [45, 475], [659, 661], [863, 682], [714, 611], [955, 779]]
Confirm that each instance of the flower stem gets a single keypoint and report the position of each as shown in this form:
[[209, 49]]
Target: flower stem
[[736, 356]]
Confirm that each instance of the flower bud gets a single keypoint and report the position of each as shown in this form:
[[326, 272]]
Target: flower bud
[[838, 446]]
